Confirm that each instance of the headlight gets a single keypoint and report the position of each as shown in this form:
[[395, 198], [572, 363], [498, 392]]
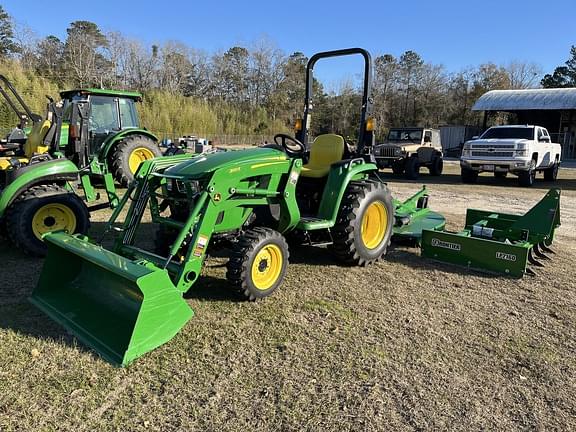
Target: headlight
[[522, 153], [521, 146], [466, 152]]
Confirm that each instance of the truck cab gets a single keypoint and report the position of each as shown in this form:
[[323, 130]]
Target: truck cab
[[521, 150], [407, 149]]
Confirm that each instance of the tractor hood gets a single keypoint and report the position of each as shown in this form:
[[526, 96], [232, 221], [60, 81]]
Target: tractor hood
[[206, 164]]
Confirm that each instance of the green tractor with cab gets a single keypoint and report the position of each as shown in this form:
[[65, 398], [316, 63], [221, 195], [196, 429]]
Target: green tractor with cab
[[91, 135]]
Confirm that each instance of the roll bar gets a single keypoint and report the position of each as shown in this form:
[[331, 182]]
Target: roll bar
[[366, 94]]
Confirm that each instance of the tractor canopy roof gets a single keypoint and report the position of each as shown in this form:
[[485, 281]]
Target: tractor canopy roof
[[67, 94], [202, 165]]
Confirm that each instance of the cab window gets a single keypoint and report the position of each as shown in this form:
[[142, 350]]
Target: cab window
[[128, 115], [104, 117]]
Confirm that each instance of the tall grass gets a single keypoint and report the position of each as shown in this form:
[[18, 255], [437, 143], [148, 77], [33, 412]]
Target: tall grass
[[31, 87], [164, 113]]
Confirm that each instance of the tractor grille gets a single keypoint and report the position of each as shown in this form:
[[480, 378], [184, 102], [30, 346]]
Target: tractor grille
[[484, 153]]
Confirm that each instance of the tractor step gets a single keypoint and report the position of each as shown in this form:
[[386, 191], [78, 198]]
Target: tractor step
[[313, 224]]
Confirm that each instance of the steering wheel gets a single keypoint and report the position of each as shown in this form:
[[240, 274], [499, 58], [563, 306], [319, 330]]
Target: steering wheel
[[291, 145]]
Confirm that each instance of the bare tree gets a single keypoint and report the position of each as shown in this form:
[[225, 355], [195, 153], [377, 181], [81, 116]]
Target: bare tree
[[523, 75], [84, 53]]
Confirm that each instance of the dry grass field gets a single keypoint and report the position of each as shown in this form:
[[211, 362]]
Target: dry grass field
[[405, 344]]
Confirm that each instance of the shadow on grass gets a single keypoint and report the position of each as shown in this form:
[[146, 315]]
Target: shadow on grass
[[411, 258]]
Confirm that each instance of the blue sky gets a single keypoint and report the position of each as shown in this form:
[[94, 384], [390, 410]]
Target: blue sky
[[453, 33]]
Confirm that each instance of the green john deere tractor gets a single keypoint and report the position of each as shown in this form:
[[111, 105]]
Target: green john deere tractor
[[128, 300], [91, 135]]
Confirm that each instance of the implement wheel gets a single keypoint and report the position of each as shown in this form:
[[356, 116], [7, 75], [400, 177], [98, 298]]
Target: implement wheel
[[128, 154], [258, 263], [364, 225], [44, 209]]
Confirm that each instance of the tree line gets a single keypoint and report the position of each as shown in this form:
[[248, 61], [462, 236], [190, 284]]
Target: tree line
[[257, 89]]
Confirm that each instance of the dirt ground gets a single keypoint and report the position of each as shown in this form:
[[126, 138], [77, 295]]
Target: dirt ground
[[405, 344]]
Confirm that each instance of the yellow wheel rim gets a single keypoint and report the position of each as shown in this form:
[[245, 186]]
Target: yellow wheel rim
[[138, 156], [374, 224], [53, 217], [267, 267]]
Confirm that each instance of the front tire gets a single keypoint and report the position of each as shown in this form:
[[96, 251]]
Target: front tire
[[412, 168], [364, 224], [468, 176], [527, 178], [398, 167], [258, 263], [42, 209], [128, 154]]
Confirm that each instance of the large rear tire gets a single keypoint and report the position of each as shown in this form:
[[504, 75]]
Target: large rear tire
[[43, 209], [363, 227], [258, 263], [128, 154]]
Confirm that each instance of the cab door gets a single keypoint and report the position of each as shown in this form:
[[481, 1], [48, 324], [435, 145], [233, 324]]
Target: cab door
[[104, 121]]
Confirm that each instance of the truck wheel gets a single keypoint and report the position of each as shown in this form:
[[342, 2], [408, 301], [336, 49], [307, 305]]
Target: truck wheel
[[128, 154], [364, 224], [398, 167], [412, 168], [469, 176], [527, 178], [551, 174], [43, 209], [258, 263], [437, 166], [500, 174]]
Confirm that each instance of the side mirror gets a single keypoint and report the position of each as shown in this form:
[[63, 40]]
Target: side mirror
[[544, 139], [427, 139]]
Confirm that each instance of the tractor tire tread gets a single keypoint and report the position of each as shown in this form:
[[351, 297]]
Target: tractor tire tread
[[17, 220], [238, 267], [118, 161], [344, 245]]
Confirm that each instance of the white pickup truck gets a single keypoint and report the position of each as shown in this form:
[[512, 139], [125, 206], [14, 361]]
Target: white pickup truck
[[521, 150]]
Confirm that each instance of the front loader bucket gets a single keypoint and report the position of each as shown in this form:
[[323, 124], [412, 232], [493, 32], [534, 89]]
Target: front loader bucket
[[120, 308]]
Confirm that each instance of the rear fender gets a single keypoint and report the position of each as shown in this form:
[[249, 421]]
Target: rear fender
[[340, 176], [110, 142], [53, 171]]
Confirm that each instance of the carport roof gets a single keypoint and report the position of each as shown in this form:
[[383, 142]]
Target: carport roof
[[532, 99]]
